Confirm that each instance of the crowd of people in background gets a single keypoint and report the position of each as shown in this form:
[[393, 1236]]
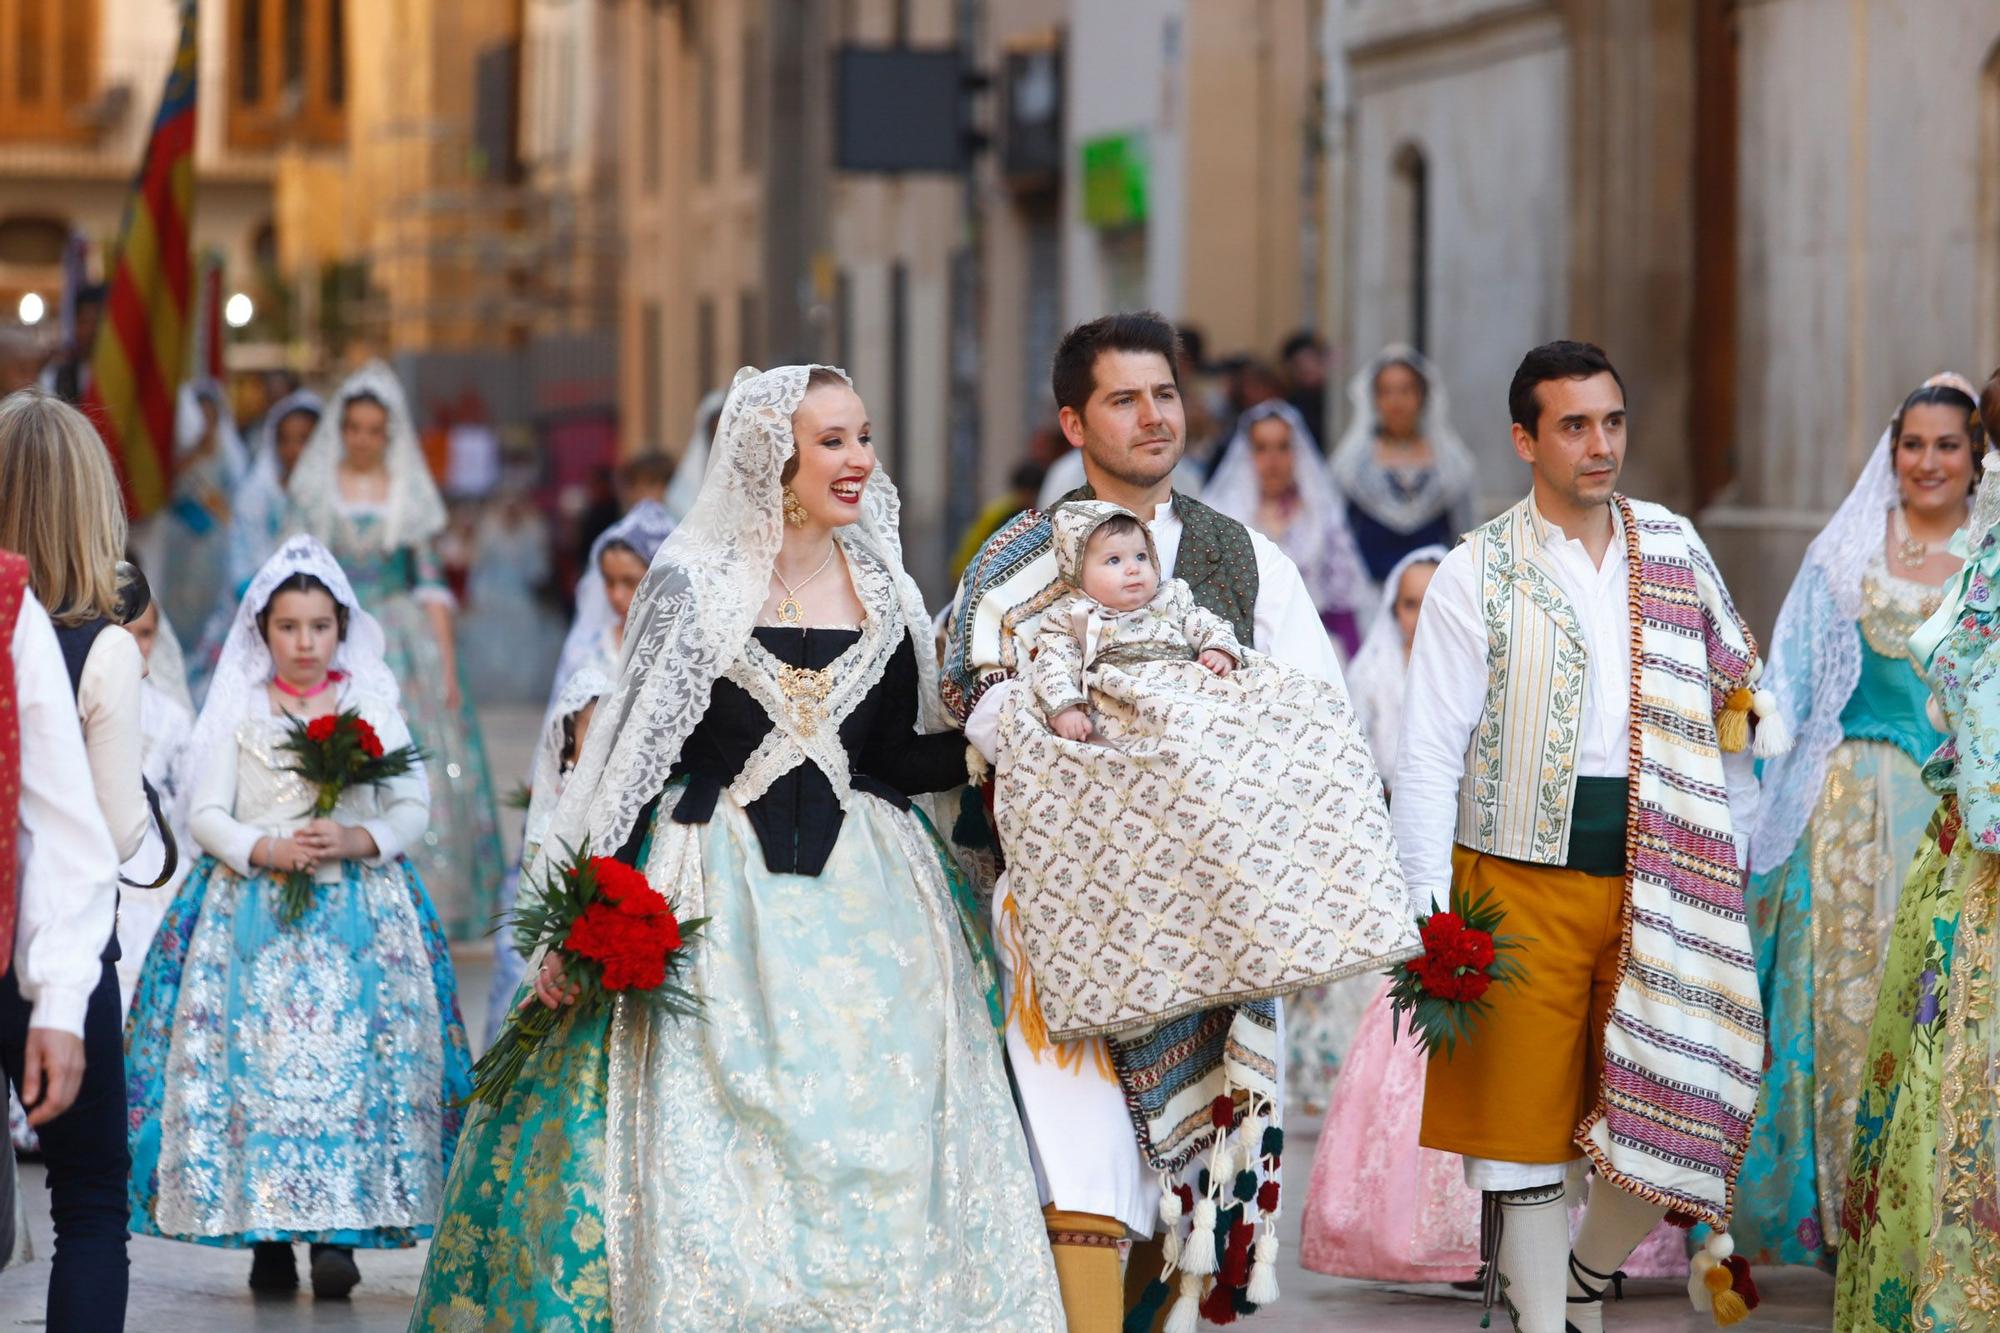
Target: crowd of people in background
[[311, 566]]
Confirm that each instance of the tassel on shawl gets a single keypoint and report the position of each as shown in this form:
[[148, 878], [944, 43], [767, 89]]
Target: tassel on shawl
[[1226, 1263], [1719, 1282], [1774, 737], [1732, 724]]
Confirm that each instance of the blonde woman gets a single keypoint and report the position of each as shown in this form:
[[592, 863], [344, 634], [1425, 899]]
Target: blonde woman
[[59, 507]]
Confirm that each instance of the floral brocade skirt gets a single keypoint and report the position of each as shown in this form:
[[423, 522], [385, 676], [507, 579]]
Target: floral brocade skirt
[[295, 1083], [1821, 924], [1921, 1216], [832, 1146], [460, 855]]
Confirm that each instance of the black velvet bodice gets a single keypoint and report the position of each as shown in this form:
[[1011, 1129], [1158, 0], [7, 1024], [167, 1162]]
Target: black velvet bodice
[[798, 821]]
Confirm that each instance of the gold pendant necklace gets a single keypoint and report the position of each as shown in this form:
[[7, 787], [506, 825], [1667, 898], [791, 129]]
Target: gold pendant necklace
[[789, 610], [1910, 552]]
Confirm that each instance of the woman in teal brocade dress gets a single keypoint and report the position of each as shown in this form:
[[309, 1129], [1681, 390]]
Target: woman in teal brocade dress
[[1843, 813], [833, 1144], [363, 489]]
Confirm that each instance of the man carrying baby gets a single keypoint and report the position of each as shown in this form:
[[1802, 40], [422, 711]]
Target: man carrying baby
[[1117, 385]]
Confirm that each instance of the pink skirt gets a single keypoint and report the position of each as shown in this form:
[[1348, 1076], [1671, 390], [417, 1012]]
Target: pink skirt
[[1382, 1209]]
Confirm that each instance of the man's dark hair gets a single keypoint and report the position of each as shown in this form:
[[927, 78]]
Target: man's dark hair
[[1559, 360], [1301, 341], [1074, 374], [1194, 346]]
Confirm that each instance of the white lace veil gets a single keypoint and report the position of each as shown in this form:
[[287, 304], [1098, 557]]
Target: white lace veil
[[1333, 569], [263, 479], [245, 665], [686, 483], [693, 615], [1454, 473], [545, 782], [189, 427], [416, 511], [1815, 659], [1376, 676], [643, 530], [166, 667]]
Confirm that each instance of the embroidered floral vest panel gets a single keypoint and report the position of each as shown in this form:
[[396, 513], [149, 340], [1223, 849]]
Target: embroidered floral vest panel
[[1519, 786]]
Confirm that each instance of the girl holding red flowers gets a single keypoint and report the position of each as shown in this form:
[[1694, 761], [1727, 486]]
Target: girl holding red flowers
[[296, 1082]]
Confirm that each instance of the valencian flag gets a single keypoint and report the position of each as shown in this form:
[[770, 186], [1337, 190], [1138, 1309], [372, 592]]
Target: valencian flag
[[141, 349]]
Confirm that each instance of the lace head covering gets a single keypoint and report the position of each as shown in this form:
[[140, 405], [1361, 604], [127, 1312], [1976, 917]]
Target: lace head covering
[[686, 483], [1070, 529], [1332, 565], [1815, 659], [245, 665], [693, 614], [416, 511], [1375, 677], [642, 531], [545, 780], [190, 425], [1445, 489], [263, 478], [166, 667]]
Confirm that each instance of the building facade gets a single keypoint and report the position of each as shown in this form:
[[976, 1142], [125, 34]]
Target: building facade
[[1720, 192], [80, 81]]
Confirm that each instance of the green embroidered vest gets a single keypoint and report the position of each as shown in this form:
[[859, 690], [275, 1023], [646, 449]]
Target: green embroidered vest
[[1518, 793], [1216, 561]]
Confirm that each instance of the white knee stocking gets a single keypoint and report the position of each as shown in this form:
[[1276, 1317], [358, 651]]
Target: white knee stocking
[[1614, 1222], [1534, 1243]]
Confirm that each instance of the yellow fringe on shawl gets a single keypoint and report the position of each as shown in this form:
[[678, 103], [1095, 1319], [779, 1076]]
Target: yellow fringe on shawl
[[1732, 724], [1024, 1010]]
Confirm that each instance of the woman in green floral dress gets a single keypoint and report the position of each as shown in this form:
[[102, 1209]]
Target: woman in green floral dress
[[1922, 1208]]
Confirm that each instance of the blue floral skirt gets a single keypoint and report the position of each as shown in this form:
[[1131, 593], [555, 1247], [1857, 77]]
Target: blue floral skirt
[[295, 1083]]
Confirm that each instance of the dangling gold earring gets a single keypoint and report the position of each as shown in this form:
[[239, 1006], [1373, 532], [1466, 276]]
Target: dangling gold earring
[[795, 509]]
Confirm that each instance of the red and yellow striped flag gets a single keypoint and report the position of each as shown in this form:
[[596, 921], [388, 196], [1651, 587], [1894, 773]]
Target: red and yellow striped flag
[[141, 348]]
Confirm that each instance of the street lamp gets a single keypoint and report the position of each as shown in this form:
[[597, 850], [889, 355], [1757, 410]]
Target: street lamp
[[238, 310], [32, 308]]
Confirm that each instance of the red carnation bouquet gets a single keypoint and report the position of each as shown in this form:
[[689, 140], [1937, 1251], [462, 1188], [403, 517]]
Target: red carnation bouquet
[[334, 753], [616, 935], [1443, 993]]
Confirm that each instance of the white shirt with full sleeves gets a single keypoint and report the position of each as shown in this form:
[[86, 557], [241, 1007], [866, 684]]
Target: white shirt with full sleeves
[[1446, 690], [68, 867], [114, 735], [395, 814]]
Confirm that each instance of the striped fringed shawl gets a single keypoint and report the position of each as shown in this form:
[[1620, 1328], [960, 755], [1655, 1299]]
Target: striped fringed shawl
[[1684, 1045]]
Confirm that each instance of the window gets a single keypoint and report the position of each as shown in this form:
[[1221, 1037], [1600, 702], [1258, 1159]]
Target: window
[[704, 111], [288, 77], [755, 90], [47, 69], [652, 371], [652, 139], [704, 343], [1409, 234], [746, 328]]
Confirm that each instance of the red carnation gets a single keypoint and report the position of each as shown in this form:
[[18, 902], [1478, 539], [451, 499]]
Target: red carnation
[[1441, 929], [1439, 976], [1474, 949], [321, 728], [1472, 985], [371, 744]]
